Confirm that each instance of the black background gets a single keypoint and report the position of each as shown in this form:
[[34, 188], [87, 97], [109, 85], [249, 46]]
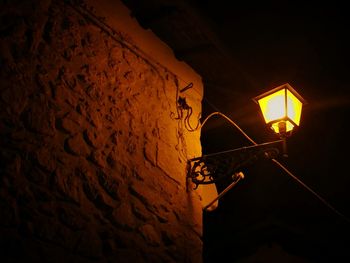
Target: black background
[[269, 217]]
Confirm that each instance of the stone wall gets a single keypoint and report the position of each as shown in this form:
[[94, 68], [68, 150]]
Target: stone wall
[[93, 145]]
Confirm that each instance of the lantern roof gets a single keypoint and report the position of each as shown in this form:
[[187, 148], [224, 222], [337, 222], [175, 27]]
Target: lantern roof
[[284, 86]]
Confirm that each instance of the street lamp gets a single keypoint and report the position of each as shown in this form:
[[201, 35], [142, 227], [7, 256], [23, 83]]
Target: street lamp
[[281, 108]]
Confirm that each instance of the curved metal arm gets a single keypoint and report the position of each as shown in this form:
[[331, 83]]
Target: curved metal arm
[[211, 168]]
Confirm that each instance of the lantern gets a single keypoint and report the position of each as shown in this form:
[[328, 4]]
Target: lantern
[[281, 108]]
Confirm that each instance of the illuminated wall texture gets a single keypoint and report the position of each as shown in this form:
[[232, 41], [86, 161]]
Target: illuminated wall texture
[[93, 147]]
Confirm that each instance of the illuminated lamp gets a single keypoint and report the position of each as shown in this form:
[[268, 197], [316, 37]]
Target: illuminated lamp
[[281, 108]]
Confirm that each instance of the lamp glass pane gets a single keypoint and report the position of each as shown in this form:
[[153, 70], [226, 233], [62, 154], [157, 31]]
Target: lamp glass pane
[[272, 106], [294, 107]]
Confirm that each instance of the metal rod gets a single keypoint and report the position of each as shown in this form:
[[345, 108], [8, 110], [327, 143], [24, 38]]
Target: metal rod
[[187, 87], [284, 147], [235, 150], [228, 188]]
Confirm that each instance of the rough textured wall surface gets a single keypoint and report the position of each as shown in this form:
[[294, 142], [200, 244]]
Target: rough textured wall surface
[[93, 147]]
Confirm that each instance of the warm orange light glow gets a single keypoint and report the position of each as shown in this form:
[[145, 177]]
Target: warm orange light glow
[[281, 108]]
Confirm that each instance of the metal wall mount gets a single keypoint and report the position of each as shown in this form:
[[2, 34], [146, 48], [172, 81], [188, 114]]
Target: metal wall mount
[[210, 168]]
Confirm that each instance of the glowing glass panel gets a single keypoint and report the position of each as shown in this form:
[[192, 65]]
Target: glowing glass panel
[[273, 106], [294, 107]]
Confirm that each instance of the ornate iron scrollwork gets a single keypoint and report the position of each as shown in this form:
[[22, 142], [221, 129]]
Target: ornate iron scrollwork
[[210, 168]]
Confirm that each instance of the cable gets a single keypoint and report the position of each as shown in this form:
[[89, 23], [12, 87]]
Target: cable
[[311, 191], [188, 125], [230, 121], [282, 167]]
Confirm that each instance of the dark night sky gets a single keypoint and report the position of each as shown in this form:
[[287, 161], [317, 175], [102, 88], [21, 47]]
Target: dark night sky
[[307, 46]]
